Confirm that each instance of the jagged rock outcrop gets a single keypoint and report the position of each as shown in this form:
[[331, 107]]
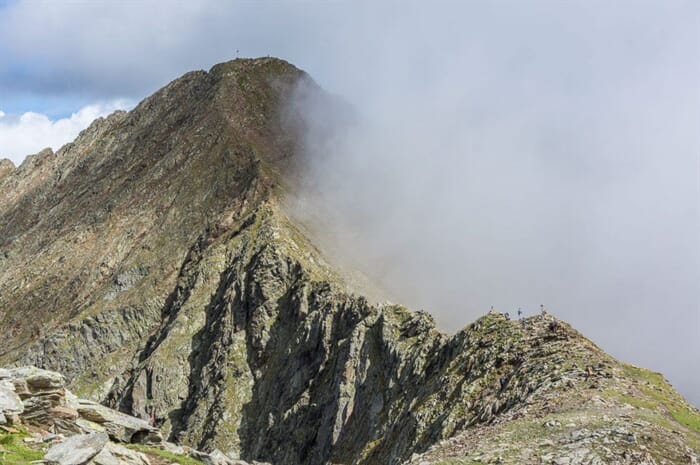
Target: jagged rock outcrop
[[165, 280], [6, 168], [73, 431], [45, 402]]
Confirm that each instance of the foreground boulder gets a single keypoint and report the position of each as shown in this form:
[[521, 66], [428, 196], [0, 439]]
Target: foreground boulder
[[119, 426], [93, 449], [77, 450], [116, 454], [76, 431], [39, 397]]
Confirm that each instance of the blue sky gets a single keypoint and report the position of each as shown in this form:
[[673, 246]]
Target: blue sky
[[553, 144]]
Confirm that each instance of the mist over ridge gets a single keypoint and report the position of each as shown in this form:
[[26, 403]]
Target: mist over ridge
[[503, 154], [465, 190]]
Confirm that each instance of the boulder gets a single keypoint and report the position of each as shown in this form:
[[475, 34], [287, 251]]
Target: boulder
[[216, 457], [174, 448], [88, 426], [38, 379], [115, 454], [119, 426], [76, 450], [10, 404]]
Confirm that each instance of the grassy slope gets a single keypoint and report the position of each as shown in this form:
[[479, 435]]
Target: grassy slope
[[15, 451]]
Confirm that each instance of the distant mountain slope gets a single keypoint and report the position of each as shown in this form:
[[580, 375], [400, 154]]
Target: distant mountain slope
[[152, 263]]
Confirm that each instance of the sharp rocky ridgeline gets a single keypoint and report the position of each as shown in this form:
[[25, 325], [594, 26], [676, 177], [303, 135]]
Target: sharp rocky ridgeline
[[153, 264]]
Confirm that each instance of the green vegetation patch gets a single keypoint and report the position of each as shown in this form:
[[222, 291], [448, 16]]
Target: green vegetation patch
[[13, 450], [688, 418], [655, 387]]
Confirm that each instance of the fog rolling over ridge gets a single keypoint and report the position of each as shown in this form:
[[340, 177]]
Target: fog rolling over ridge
[[505, 154], [468, 190]]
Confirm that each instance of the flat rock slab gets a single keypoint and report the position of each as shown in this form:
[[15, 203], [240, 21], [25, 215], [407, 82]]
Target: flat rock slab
[[38, 379], [119, 426], [114, 454], [77, 450]]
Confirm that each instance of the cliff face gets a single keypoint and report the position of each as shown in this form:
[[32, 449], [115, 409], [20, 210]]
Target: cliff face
[[152, 263]]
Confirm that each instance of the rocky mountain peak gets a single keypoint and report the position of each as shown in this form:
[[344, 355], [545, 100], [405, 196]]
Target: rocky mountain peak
[[195, 157]]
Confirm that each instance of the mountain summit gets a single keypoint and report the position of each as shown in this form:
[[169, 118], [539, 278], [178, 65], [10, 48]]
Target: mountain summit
[[153, 264]]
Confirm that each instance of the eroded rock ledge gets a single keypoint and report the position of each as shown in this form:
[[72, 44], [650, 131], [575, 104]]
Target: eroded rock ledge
[[36, 408]]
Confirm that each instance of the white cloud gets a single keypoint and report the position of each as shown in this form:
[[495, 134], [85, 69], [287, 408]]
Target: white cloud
[[31, 132]]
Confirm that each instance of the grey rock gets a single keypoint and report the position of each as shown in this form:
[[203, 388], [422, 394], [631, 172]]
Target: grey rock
[[119, 426], [38, 379], [87, 426], [10, 403], [115, 454], [173, 448], [76, 450], [216, 457], [105, 457]]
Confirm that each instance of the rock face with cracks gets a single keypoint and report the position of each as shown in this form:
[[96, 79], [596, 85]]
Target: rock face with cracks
[[58, 428], [166, 280]]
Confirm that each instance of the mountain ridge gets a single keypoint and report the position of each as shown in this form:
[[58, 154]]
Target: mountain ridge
[[153, 263]]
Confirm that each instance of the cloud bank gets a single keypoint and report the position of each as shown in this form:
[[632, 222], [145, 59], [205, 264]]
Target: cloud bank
[[512, 181], [504, 153], [31, 132]]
